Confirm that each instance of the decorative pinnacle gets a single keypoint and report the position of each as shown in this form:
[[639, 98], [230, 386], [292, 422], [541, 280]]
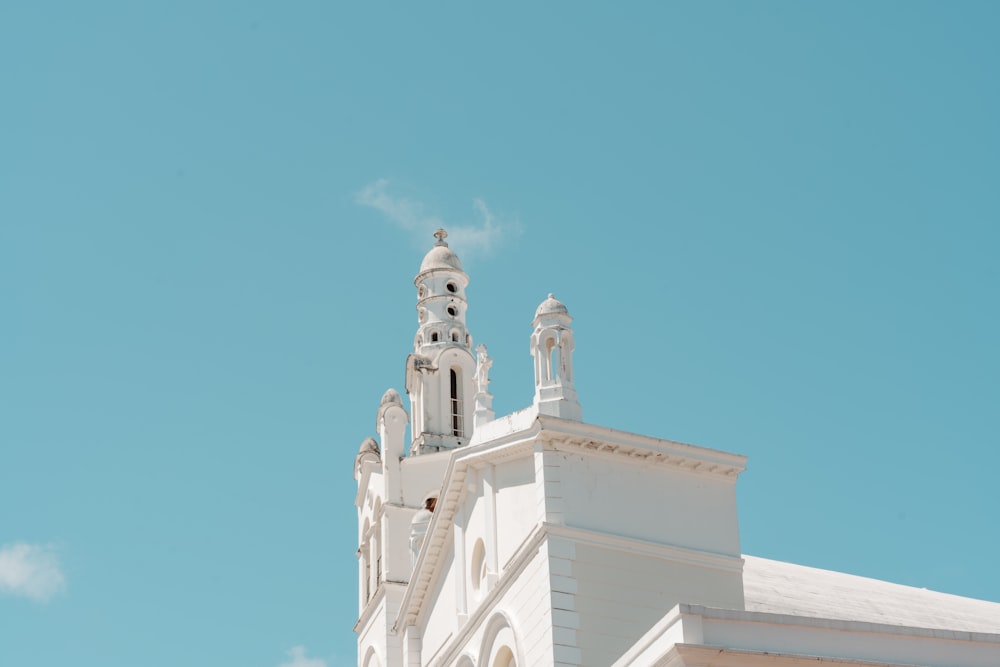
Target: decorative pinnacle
[[551, 295], [441, 235]]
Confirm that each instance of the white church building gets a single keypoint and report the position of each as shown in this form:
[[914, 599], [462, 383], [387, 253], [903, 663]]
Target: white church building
[[537, 539]]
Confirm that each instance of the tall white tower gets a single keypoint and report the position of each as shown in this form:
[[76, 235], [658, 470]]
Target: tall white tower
[[441, 370]]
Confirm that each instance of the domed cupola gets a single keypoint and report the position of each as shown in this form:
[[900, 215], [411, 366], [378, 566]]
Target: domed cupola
[[551, 306], [440, 372], [441, 303], [440, 256]]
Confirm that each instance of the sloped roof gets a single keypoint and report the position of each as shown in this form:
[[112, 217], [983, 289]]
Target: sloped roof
[[785, 588]]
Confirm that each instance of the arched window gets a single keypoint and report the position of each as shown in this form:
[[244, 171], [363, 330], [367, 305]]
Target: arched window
[[434, 337], [457, 427], [505, 658], [499, 647], [371, 658]]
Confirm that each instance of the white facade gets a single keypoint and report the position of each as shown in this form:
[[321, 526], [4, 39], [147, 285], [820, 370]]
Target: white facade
[[538, 539]]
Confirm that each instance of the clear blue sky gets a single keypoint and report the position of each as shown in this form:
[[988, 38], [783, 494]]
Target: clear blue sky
[[775, 223]]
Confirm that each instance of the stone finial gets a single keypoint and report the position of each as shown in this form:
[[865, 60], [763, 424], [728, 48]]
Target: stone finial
[[483, 364], [391, 396], [368, 451], [484, 399], [441, 235]]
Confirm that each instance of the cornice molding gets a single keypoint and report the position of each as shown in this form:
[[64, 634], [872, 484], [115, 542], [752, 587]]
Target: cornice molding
[[631, 545], [696, 655], [566, 435]]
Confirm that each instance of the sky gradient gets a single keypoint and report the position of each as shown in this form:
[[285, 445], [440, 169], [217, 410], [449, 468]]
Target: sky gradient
[[775, 223]]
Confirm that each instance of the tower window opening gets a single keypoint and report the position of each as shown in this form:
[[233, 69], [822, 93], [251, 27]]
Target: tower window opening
[[553, 354], [457, 427], [454, 336], [434, 337], [453, 311], [452, 287]]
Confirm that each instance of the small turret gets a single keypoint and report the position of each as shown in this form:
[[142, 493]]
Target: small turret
[[552, 347]]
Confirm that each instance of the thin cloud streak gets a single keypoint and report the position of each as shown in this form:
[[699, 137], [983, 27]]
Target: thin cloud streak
[[299, 659], [479, 239], [31, 571]]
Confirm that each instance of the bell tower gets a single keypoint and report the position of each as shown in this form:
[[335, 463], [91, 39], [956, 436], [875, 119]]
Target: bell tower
[[440, 373]]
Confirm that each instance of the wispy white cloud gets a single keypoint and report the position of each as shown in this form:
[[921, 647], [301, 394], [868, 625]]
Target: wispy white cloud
[[31, 571], [299, 659], [479, 237]]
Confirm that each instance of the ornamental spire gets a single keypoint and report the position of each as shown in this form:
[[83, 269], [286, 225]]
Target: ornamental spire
[[441, 235]]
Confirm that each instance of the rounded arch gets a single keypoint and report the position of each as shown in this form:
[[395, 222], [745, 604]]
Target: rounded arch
[[500, 647], [371, 658], [465, 660]]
